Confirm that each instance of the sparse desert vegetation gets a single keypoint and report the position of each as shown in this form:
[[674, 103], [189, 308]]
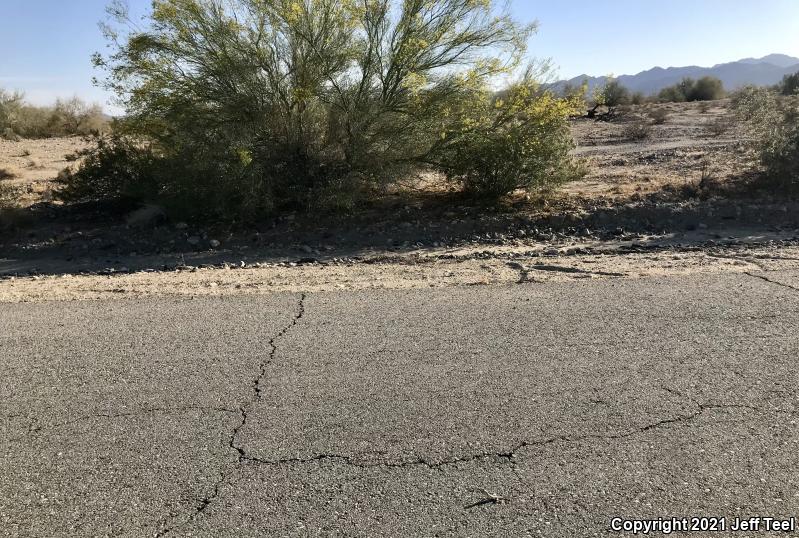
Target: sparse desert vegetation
[[19, 119], [704, 89]]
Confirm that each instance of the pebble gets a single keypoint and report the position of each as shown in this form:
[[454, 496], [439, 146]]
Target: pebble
[[214, 243]]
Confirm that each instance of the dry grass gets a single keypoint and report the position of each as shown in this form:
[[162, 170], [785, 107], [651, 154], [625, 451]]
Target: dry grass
[[638, 129], [659, 116]]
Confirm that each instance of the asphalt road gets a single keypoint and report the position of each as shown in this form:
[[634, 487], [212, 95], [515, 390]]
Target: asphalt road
[[527, 410]]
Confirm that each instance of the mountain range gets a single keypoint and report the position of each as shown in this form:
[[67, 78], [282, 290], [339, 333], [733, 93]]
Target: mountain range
[[763, 71]]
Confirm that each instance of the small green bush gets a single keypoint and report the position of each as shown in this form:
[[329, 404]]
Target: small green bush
[[519, 142], [612, 94]]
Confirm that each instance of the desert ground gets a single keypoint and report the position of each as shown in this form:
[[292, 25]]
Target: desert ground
[[679, 201]]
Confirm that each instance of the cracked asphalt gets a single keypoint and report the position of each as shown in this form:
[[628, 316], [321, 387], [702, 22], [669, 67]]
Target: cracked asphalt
[[519, 410]]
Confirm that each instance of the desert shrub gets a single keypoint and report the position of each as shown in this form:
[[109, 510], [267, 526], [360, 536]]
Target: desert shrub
[[66, 117], [637, 98], [114, 166], [706, 89], [637, 129], [688, 89], [9, 105], [659, 116], [249, 107], [612, 94], [672, 94], [789, 84], [774, 127], [519, 142], [718, 125]]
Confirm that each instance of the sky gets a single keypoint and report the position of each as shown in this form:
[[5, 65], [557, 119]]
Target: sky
[[48, 43]]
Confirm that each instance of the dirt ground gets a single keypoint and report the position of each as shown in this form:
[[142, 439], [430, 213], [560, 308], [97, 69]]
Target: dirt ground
[[675, 202], [29, 166]]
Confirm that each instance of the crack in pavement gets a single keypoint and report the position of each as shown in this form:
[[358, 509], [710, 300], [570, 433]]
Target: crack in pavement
[[511, 454], [525, 270], [34, 428], [508, 456], [767, 279], [206, 501]]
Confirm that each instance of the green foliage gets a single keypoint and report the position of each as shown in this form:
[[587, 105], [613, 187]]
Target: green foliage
[[706, 89], [688, 89], [789, 84], [518, 141], [612, 94], [672, 94], [774, 127], [65, 118], [112, 167], [257, 106]]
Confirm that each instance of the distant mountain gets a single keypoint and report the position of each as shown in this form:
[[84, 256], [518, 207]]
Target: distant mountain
[[758, 71], [780, 60]]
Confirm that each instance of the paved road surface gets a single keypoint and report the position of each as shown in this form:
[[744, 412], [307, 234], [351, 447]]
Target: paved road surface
[[527, 410]]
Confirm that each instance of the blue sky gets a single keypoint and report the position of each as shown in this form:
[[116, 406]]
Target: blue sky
[[48, 43]]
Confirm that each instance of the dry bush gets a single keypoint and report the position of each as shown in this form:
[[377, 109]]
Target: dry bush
[[719, 125], [637, 129], [773, 125], [659, 116]]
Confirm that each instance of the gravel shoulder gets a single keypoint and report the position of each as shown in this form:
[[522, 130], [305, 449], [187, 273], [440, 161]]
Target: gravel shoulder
[[434, 268]]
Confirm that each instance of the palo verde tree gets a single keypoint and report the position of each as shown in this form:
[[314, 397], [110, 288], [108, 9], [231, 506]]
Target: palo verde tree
[[249, 106]]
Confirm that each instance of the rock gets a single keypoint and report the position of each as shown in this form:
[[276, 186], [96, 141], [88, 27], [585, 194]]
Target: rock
[[306, 249], [181, 226], [214, 243], [146, 216], [193, 240]]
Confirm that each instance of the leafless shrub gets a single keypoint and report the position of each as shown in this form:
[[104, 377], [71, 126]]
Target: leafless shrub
[[719, 125], [659, 116], [638, 129]]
